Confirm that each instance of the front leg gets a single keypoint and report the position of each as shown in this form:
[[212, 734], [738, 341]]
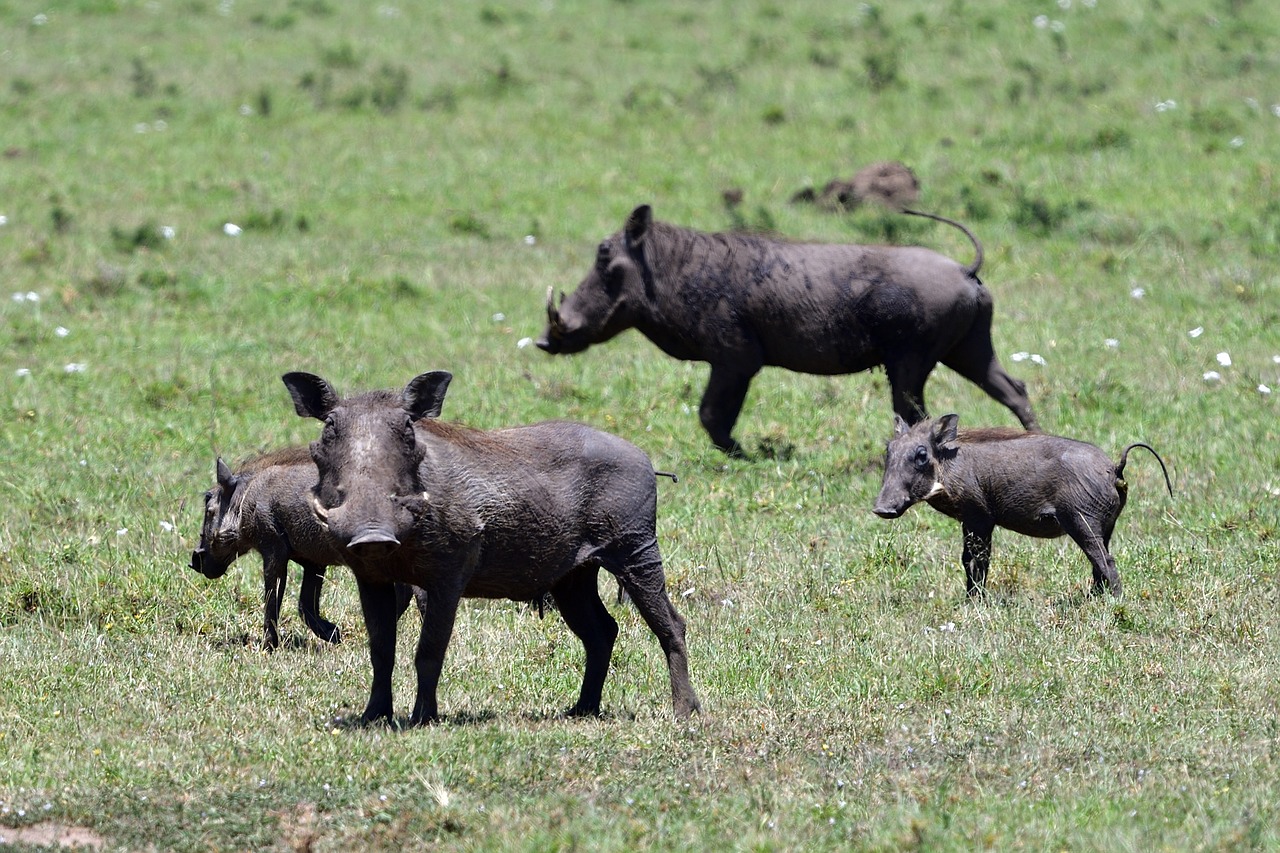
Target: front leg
[[275, 573], [439, 606], [378, 603], [722, 403], [977, 554]]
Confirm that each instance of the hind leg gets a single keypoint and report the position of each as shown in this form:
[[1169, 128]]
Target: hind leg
[[974, 358], [309, 603], [1094, 538], [642, 577], [579, 602]]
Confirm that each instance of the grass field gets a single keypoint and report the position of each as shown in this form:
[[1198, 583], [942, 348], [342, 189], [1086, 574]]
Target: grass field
[[199, 196]]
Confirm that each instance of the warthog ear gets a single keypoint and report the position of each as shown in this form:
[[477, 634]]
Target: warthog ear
[[900, 426], [945, 432], [312, 396], [424, 395], [638, 225], [224, 475]]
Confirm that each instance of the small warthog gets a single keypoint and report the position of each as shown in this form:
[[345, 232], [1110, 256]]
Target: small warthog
[[1030, 483], [742, 302], [266, 507], [511, 513]]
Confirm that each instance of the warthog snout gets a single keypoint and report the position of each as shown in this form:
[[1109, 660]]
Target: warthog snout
[[374, 543]]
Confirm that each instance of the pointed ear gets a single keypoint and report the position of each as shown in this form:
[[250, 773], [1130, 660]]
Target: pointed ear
[[946, 432], [424, 395], [638, 226], [900, 426], [312, 396], [224, 475]]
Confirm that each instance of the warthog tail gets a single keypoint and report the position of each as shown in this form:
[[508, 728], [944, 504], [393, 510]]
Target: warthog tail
[[973, 268], [1124, 457]]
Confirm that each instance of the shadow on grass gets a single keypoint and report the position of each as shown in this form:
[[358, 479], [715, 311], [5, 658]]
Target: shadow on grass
[[466, 718]]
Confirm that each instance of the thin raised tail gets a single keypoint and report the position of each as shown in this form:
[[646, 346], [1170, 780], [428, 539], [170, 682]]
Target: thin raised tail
[[1124, 457], [973, 268]]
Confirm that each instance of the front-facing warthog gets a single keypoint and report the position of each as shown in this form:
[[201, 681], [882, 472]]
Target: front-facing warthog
[[742, 302], [1030, 483], [264, 507], [510, 513]]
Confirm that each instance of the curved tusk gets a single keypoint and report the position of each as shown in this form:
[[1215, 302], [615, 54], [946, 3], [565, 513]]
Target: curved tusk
[[322, 514], [553, 315]]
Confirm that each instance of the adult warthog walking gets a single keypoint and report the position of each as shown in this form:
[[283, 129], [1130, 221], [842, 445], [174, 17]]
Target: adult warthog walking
[[742, 302], [512, 513]]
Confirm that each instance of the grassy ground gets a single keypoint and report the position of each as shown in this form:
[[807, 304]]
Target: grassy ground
[[404, 184]]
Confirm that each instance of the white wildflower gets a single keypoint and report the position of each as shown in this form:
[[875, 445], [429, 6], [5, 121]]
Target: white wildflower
[[62, 331], [1196, 332], [1264, 389], [74, 367], [40, 20], [1212, 376], [499, 317], [22, 371], [1020, 356], [1041, 21], [1165, 106], [166, 526], [530, 240], [231, 229], [1037, 358], [1224, 359], [246, 110], [141, 127], [122, 531], [1237, 142], [167, 232], [4, 220], [1138, 292], [524, 342], [1112, 343]]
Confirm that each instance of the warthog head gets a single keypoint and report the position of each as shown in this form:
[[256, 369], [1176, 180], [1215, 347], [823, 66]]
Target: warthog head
[[911, 463], [598, 309], [368, 458], [220, 532]]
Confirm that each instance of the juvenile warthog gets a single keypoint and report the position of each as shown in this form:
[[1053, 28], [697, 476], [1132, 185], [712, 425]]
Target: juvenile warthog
[[511, 513], [1033, 484], [266, 507], [742, 302]]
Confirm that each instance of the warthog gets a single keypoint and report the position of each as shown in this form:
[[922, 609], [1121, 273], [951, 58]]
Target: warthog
[[265, 507], [742, 302], [512, 513], [1030, 483]]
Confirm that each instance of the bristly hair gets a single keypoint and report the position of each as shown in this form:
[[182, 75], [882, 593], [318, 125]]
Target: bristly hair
[[282, 456], [979, 435]]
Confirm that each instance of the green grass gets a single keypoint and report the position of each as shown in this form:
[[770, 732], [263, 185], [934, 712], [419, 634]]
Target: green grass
[[386, 166]]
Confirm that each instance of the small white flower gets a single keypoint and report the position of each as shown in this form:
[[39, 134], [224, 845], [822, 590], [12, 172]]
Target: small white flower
[[122, 531], [1165, 106], [1275, 359], [166, 526], [947, 628], [1264, 389], [1020, 356], [1196, 332], [1138, 292], [1064, 4], [167, 232], [32, 296], [1212, 376], [1037, 358], [160, 126], [499, 317], [231, 229], [1041, 21], [62, 331], [1224, 359], [4, 220], [524, 342], [1112, 343], [688, 592], [1237, 142], [74, 367], [40, 20], [141, 127], [529, 239], [22, 371], [1057, 26], [246, 110]]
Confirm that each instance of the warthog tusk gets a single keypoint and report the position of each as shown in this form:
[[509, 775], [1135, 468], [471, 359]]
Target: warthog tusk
[[553, 315], [322, 514]]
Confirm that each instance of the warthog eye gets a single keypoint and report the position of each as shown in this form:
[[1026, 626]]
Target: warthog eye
[[921, 457]]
